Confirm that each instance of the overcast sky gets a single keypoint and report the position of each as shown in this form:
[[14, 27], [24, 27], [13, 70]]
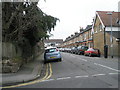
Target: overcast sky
[[74, 14]]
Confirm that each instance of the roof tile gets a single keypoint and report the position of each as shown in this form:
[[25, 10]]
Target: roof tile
[[106, 18]]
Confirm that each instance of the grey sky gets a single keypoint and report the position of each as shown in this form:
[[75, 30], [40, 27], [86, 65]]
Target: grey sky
[[74, 13]]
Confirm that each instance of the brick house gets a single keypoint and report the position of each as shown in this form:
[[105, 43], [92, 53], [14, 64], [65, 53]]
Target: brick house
[[84, 37], [102, 32], [87, 36]]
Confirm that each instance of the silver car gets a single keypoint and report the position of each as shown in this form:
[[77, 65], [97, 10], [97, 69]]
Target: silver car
[[52, 54]]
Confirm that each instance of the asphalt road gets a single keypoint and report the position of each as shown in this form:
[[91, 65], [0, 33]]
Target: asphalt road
[[77, 71]]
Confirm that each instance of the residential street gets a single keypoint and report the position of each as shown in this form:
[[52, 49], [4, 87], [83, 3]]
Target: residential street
[[60, 44], [77, 71]]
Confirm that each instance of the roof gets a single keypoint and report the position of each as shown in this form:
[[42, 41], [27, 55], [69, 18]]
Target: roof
[[53, 40], [88, 27], [105, 18]]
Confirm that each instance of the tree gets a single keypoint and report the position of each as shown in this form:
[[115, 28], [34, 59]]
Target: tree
[[24, 24]]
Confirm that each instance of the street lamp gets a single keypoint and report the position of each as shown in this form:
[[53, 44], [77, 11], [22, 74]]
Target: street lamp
[[111, 36]]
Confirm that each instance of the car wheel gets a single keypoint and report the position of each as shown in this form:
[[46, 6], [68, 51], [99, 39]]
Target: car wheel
[[45, 61], [83, 53], [60, 59]]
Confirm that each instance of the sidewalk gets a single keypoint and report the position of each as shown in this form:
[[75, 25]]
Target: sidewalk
[[115, 58], [28, 72]]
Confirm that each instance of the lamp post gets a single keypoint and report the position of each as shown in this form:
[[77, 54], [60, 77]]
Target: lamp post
[[111, 36]]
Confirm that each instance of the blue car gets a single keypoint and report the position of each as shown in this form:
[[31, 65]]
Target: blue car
[[52, 54]]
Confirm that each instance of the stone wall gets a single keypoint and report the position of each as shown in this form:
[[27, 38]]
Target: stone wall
[[9, 50], [39, 48], [12, 56]]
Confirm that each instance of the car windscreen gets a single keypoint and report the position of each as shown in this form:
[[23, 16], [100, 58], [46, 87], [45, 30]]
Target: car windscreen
[[79, 47], [51, 50], [84, 47]]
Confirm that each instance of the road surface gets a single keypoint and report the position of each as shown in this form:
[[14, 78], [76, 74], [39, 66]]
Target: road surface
[[78, 71]]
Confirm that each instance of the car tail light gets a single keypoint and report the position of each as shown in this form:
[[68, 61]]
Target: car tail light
[[81, 50]]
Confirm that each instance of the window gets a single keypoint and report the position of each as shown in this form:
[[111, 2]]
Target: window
[[100, 27], [85, 36], [96, 30]]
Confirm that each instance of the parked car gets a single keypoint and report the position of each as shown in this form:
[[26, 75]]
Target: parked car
[[65, 49], [73, 50], [61, 49], [69, 50], [81, 50], [51, 54], [92, 52]]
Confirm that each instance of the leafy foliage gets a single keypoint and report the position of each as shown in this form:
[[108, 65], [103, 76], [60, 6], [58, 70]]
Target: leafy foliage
[[25, 24]]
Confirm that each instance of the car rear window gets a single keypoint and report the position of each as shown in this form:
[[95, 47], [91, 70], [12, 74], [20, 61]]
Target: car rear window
[[51, 50], [90, 49]]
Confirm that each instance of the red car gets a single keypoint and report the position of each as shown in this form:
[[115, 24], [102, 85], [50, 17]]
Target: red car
[[92, 52]]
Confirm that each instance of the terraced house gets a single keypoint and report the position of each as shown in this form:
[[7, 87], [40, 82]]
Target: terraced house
[[106, 32], [103, 34], [84, 37]]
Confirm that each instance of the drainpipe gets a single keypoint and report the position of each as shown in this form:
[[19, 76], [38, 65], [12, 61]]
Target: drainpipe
[[105, 46], [104, 37]]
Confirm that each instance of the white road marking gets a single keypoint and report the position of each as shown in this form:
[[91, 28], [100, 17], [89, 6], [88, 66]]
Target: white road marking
[[102, 65], [63, 78], [107, 67], [48, 80], [95, 63], [83, 59], [81, 76], [98, 75], [113, 73]]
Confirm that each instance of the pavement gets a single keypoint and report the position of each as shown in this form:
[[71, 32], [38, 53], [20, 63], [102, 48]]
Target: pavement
[[110, 58], [27, 72]]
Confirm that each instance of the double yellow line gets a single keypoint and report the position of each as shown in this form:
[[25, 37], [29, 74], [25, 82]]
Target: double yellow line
[[47, 76]]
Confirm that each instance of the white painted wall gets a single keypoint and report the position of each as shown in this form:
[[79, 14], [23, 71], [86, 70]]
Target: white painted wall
[[113, 28]]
